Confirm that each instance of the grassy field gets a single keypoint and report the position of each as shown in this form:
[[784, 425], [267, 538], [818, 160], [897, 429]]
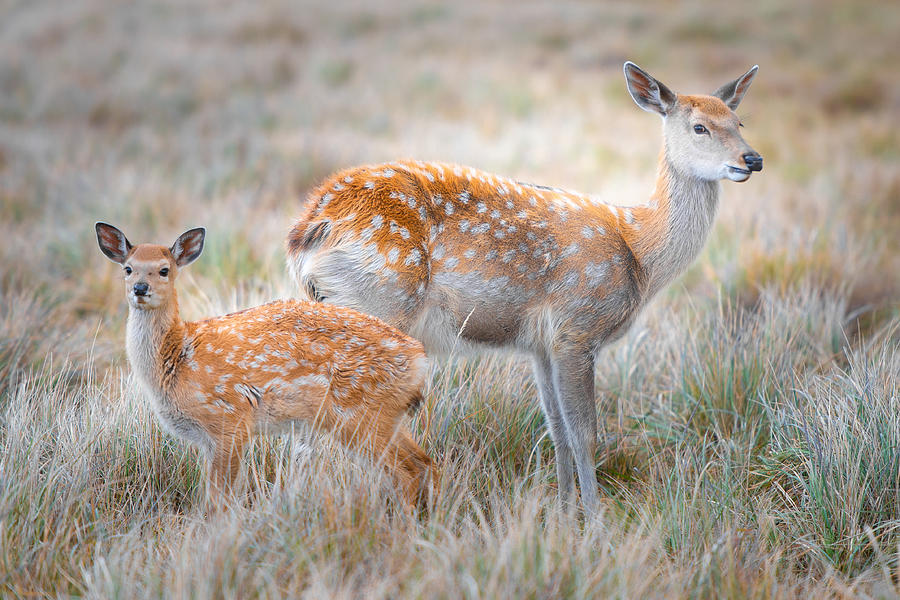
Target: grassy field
[[750, 420]]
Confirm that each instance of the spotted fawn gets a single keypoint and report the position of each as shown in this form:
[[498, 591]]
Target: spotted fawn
[[218, 381], [455, 256]]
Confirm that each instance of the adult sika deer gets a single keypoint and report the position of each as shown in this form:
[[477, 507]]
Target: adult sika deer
[[449, 253], [218, 381]]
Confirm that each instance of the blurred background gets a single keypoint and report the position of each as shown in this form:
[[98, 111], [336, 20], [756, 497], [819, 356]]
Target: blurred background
[[160, 116]]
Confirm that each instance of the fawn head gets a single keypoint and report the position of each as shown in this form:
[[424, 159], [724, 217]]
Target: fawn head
[[150, 269], [702, 133]]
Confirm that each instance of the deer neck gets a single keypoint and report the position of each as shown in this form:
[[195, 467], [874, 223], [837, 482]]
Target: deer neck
[[669, 232], [154, 341]]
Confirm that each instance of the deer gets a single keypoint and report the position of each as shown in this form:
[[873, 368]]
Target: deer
[[463, 259], [217, 382]]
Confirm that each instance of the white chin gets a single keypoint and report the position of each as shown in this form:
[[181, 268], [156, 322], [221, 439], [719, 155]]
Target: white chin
[[737, 175], [140, 302]]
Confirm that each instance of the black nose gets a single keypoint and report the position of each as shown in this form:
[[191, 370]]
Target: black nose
[[141, 289], [754, 161]]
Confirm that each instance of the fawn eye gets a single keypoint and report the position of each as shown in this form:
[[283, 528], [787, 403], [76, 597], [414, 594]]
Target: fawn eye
[[128, 270], [164, 271], [700, 129]]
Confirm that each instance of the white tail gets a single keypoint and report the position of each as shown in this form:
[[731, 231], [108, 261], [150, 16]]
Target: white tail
[[219, 381], [447, 252]]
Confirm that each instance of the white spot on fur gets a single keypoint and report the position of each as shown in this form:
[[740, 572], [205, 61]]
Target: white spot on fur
[[596, 272], [403, 231], [414, 257], [569, 250]]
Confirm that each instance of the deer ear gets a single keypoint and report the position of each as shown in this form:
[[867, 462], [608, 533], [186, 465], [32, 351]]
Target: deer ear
[[113, 242], [188, 246], [733, 92], [647, 92]]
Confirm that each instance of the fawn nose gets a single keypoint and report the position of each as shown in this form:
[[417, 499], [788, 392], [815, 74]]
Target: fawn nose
[[141, 289], [753, 160]]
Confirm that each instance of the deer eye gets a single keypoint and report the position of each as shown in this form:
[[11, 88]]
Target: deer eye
[[164, 271], [700, 129], [128, 270]]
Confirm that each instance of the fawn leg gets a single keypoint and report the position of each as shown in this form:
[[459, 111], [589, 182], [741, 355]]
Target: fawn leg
[[224, 468], [389, 443]]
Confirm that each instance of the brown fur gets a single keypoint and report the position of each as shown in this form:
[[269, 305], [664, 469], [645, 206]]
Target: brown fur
[[219, 381], [451, 254]]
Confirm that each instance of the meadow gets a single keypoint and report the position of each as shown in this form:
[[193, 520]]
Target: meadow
[[750, 421]]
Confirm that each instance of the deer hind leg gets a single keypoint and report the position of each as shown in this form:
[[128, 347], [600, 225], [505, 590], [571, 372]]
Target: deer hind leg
[[404, 455], [543, 374], [387, 441], [573, 376]]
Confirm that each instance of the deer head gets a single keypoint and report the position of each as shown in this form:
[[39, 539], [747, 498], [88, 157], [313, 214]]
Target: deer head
[[702, 133]]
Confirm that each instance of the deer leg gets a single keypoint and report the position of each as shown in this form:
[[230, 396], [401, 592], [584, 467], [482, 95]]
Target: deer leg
[[543, 375], [574, 379], [404, 453], [224, 467], [389, 443]]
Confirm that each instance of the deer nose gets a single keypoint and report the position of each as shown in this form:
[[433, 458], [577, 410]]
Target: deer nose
[[753, 161], [141, 289]]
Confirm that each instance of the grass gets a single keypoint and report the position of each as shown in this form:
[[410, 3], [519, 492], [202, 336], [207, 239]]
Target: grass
[[749, 428]]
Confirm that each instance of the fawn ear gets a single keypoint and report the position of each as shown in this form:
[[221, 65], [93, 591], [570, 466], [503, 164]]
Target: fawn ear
[[733, 92], [647, 92], [113, 242], [188, 246]]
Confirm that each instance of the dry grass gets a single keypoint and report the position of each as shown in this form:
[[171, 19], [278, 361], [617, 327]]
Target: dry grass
[[751, 441]]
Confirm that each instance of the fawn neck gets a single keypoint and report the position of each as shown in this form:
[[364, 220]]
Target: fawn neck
[[669, 231], [154, 342]]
